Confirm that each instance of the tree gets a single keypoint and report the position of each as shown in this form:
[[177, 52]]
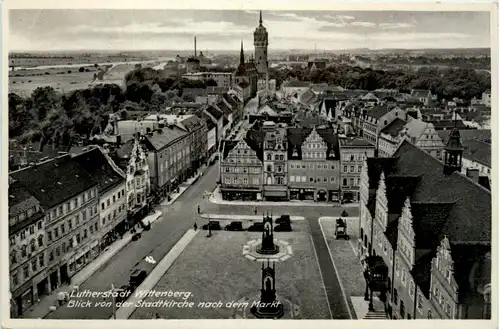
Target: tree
[[211, 83]]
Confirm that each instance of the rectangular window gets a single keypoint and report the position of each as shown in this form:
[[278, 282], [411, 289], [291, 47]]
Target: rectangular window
[[292, 179], [26, 272], [49, 236], [41, 261], [34, 265]]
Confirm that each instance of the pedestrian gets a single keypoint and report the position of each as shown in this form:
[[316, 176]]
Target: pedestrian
[[199, 210], [255, 211], [195, 226]]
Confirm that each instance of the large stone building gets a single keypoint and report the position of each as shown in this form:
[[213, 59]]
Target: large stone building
[[240, 171], [275, 161], [432, 227], [376, 119], [260, 42], [353, 153], [418, 132], [112, 198], [313, 164], [69, 197], [28, 258]]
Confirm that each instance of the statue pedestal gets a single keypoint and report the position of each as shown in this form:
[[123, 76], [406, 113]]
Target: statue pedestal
[[268, 250], [268, 312], [284, 309]]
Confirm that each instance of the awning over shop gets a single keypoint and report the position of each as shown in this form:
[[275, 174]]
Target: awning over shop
[[276, 193]]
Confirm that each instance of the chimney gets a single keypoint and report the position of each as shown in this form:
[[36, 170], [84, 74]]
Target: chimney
[[194, 47], [473, 174]]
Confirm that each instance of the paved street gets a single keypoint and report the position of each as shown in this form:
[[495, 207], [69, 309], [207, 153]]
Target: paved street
[[166, 231]]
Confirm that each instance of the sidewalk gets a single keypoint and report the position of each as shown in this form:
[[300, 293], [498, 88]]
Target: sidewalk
[[156, 274], [216, 198], [183, 187], [244, 217], [41, 309], [348, 265]]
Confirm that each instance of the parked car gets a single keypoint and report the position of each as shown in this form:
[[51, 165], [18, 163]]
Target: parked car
[[214, 225], [284, 227], [137, 277], [256, 227], [283, 219], [234, 226]]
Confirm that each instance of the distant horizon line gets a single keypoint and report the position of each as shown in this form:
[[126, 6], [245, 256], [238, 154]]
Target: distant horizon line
[[319, 51]]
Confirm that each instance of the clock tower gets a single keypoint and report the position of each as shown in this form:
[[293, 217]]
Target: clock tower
[[260, 42]]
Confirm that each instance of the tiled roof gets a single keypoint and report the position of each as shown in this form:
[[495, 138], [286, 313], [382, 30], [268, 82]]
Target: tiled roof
[[477, 151], [55, 181], [224, 108], [467, 134], [471, 200], [255, 140], [332, 142], [230, 100], [394, 127], [375, 167], [307, 97], [228, 146], [20, 199], [97, 165], [158, 140], [428, 221], [296, 83], [378, 111], [216, 113], [448, 124], [192, 122], [398, 188], [296, 137]]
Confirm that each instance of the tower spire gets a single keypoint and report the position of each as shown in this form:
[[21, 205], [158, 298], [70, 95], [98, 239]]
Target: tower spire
[[260, 20], [242, 56]]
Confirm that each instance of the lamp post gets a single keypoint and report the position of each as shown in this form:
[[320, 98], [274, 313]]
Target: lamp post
[[209, 227], [113, 298]]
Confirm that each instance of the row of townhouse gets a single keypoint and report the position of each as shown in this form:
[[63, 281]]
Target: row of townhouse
[[276, 162], [416, 215], [176, 147], [62, 213]]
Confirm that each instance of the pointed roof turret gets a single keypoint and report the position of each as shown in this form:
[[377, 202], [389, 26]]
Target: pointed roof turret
[[260, 20], [242, 56]]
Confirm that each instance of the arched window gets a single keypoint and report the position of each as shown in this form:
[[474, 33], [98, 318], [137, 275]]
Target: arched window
[[33, 245], [276, 157], [269, 157], [13, 257]]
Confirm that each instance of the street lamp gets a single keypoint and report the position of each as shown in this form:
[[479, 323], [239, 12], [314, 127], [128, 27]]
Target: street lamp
[[209, 227], [113, 298]]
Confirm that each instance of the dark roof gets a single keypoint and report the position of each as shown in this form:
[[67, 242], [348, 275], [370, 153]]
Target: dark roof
[[394, 127], [192, 123], [317, 64], [398, 188], [228, 146], [471, 200], [448, 124], [244, 84], [20, 199], [378, 111], [477, 151], [467, 134], [98, 166], [255, 139], [330, 105], [421, 272], [296, 137], [55, 181], [484, 181], [375, 167], [224, 108], [194, 91], [419, 92], [240, 70], [160, 139], [332, 142], [230, 100], [296, 83], [125, 150], [428, 220]]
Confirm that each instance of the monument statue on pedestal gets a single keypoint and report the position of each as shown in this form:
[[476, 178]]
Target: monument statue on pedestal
[[268, 247], [269, 307]]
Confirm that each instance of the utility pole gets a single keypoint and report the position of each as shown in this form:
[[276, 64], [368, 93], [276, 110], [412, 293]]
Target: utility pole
[[114, 301]]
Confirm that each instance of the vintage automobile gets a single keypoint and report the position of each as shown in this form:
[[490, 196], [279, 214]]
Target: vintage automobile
[[341, 229], [256, 227], [137, 277], [214, 225], [283, 219], [234, 226], [283, 227]]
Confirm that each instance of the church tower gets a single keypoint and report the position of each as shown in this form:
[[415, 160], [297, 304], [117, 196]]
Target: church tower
[[453, 153], [260, 42]]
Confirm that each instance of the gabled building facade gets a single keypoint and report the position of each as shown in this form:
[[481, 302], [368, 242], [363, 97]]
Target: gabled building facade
[[416, 215], [275, 162], [240, 172], [376, 119]]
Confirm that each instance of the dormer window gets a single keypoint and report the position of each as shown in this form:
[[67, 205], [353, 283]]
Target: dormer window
[[295, 153], [331, 154]]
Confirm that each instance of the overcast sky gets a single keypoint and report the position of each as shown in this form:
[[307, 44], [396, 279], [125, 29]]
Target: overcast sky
[[42, 30]]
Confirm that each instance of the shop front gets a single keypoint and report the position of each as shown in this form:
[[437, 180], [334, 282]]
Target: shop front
[[22, 298], [321, 196], [275, 195], [294, 194], [240, 194], [333, 195]]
